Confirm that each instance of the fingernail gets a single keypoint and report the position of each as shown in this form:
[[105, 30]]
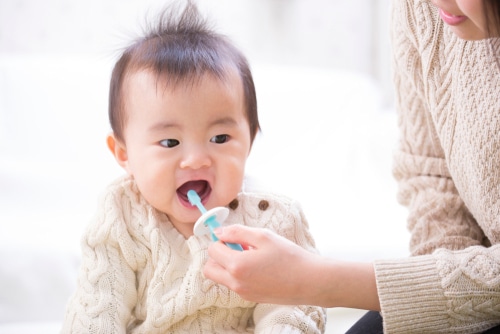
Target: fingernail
[[219, 231]]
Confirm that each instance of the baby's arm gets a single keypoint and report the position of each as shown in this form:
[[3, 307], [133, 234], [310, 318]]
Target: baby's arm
[[105, 293], [271, 318]]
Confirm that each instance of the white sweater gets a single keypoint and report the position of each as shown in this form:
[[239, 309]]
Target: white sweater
[[140, 275]]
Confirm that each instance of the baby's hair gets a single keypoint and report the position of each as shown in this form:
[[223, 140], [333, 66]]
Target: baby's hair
[[180, 47]]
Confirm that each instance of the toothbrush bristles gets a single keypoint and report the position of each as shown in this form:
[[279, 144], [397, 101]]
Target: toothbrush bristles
[[195, 200]]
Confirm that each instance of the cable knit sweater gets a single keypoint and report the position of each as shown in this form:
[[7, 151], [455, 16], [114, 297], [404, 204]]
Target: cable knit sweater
[[140, 275], [448, 169]]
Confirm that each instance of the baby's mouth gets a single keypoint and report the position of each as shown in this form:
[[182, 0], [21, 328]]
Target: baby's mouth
[[201, 187]]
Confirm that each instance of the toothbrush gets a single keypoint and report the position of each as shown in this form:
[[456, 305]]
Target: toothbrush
[[210, 221]]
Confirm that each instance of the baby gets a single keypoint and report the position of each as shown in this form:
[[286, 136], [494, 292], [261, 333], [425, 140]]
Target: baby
[[183, 112]]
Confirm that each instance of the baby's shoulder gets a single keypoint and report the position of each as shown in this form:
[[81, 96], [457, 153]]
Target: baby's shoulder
[[124, 184], [274, 211], [258, 204], [122, 192], [121, 203], [266, 199]]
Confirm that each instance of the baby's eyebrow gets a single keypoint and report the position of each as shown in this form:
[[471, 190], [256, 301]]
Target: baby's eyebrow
[[224, 121], [162, 126]]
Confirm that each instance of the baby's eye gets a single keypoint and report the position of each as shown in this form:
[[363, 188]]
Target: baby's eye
[[169, 142], [219, 139]]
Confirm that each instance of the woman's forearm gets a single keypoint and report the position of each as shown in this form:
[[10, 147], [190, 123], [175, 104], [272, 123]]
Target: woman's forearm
[[345, 284]]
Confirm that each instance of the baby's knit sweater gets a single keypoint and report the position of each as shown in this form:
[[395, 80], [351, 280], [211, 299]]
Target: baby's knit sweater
[[140, 275], [448, 170]]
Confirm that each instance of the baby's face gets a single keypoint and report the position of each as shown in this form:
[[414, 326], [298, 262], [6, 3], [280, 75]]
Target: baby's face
[[186, 137]]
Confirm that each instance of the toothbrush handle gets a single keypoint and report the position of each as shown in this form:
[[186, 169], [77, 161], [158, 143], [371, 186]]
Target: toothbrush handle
[[228, 244], [214, 238], [234, 246], [212, 223]]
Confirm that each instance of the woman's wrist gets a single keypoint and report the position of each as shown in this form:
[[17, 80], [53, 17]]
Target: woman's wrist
[[343, 284]]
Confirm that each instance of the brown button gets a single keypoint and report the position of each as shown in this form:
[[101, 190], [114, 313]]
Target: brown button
[[234, 204], [263, 205]]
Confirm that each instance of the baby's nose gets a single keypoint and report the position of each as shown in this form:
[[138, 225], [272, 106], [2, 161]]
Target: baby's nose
[[196, 158]]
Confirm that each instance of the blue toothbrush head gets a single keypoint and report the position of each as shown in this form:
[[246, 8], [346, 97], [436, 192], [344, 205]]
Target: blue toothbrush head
[[193, 197], [195, 200]]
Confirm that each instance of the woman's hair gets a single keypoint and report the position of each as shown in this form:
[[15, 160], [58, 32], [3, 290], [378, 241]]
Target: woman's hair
[[180, 48], [491, 9]]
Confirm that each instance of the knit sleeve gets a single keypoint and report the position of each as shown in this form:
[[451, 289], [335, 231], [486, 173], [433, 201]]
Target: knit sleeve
[[446, 292], [438, 217], [289, 221], [105, 294], [270, 318]]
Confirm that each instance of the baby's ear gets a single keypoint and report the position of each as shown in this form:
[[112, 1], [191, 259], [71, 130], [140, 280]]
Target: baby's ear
[[118, 150]]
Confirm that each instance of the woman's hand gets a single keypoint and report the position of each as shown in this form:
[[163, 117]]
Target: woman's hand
[[273, 269]]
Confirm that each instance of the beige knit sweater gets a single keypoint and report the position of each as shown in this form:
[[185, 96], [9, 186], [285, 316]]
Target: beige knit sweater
[[448, 169], [139, 275]]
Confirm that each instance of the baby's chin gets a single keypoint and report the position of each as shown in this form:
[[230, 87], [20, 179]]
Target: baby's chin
[[184, 224]]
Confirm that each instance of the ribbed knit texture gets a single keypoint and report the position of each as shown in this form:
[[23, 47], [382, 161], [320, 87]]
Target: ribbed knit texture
[[140, 275], [448, 171]]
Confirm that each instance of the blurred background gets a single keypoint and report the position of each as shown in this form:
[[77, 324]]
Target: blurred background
[[323, 79], [317, 33]]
